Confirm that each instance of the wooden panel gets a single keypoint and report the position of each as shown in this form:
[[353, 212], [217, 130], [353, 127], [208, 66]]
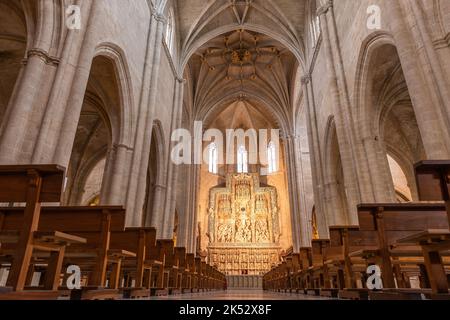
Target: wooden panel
[[415, 219], [366, 219], [126, 240], [358, 238], [67, 219], [166, 246], [428, 178], [14, 182]]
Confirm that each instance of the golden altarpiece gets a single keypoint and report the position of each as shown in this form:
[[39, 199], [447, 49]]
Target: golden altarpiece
[[243, 226]]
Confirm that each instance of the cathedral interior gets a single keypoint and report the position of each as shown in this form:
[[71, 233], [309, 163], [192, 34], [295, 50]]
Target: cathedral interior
[[353, 98]]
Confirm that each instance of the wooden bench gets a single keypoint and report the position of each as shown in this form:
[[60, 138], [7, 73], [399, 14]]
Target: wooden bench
[[183, 270], [396, 225], [191, 283], [138, 266], [32, 185], [303, 277], [345, 240], [94, 224], [166, 247], [433, 183]]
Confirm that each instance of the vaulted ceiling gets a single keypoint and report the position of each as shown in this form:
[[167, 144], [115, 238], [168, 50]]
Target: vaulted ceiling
[[242, 65], [198, 17]]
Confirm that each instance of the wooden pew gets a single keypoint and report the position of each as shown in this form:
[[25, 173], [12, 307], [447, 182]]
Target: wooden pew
[[190, 285], [49, 246], [303, 276], [183, 270], [433, 182], [295, 269], [204, 277], [32, 185], [138, 268], [166, 246], [94, 224], [198, 287], [342, 267], [318, 270], [394, 224]]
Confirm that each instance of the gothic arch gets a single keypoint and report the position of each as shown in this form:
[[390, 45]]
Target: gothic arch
[[337, 213], [384, 114], [161, 149], [368, 46], [124, 132], [263, 104], [105, 124], [155, 174]]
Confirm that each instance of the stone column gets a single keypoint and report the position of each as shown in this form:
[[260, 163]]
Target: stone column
[[32, 88], [304, 189], [341, 111], [297, 216], [158, 203], [26, 106], [172, 177], [114, 177], [378, 169], [435, 71], [139, 165], [54, 142], [183, 232], [191, 214], [424, 83], [315, 154]]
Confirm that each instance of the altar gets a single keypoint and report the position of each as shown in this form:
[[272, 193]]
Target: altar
[[243, 226]]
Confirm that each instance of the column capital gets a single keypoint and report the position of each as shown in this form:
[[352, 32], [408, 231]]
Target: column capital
[[159, 187], [180, 80], [121, 146], [159, 17], [290, 137], [43, 55], [306, 79], [325, 8]]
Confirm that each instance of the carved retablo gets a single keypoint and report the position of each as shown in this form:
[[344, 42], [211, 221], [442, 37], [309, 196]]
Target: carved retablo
[[243, 226]]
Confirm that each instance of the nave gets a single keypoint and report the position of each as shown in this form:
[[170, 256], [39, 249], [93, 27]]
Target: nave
[[113, 139], [240, 295]]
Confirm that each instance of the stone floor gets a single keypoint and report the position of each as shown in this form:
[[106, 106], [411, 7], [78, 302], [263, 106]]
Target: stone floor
[[239, 295]]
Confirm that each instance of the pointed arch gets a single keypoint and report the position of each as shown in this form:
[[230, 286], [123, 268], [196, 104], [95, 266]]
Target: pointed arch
[[155, 173], [124, 133], [334, 177]]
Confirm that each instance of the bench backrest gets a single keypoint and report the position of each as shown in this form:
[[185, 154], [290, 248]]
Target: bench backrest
[[166, 248], [305, 257], [86, 222], [317, 250], [180, 254], [138, 240], [433, 181], [15, 181], [190, 260], [346, 239], [198, 265], [396, 221]]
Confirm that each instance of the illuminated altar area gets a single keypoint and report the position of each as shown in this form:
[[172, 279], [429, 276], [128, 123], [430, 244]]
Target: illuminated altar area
[[243, 226]]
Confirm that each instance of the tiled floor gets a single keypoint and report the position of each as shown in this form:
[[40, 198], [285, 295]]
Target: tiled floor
[[238, 295]]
